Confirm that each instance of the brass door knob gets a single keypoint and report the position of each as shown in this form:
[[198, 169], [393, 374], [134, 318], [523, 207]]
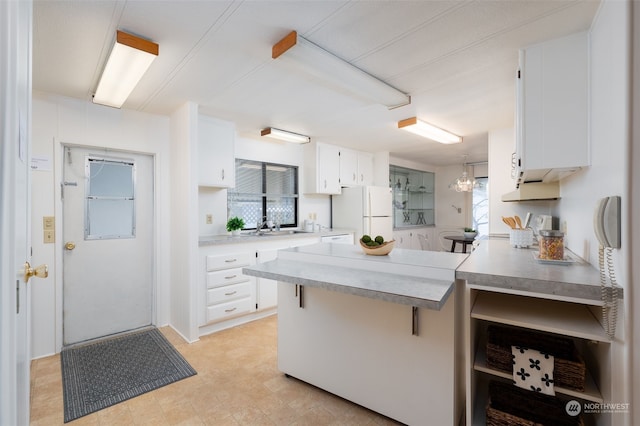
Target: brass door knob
[[70, 245], [41, 271]]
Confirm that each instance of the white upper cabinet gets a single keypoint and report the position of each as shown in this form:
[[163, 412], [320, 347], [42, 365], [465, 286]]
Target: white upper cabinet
[[356, 167], [365, 168], [330, 167], [322, 168], [348, 167], [552, 109], [216, 162]]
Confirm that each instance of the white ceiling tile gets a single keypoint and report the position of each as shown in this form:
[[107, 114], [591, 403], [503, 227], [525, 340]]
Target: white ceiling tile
[[456, 58]]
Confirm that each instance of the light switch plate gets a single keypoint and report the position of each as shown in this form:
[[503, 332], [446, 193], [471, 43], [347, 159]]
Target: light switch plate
[[48, 222]]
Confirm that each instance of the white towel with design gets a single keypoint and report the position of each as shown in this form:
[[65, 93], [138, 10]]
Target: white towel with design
[[532, 370]]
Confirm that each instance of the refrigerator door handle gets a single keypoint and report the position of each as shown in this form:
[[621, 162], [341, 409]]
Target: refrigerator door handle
[[370, 211]]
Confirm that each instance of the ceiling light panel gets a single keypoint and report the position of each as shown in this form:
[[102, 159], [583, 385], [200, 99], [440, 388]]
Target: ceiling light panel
[[320, 63], [129, 59], [285, 135], [429, 131]]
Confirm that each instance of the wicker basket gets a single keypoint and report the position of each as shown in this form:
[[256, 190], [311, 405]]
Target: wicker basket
[[569, 367], [500, 418], [512, 406]]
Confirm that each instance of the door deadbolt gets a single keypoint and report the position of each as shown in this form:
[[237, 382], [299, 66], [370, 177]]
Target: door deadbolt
[[41, 271], [70, 245]]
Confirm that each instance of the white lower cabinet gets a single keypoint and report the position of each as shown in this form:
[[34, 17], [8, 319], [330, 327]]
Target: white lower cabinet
[[229, 292], [415, 239], [228, 297], [267, 289], [231, 309]]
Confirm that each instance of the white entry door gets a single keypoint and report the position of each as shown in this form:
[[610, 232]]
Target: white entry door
[[15, 213], [107, 202]]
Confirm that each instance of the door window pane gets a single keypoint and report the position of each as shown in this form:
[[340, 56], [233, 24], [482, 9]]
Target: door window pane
[[110, 199], [109, 179]]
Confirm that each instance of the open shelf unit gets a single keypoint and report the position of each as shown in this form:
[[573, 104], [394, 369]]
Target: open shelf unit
[[572, 320]]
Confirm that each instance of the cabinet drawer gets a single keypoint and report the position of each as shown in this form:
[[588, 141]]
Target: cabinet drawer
[[215, 263], [226, 277], [228, 310], [227, 293]]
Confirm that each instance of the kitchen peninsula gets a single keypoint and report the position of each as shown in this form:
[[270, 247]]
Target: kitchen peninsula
[[380, 331], [404, 334]]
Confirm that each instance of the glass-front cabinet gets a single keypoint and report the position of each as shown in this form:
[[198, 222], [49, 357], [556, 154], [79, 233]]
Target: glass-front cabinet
[[413, 197]]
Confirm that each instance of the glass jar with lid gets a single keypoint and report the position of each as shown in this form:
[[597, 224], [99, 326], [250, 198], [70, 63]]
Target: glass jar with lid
[[551, 245]]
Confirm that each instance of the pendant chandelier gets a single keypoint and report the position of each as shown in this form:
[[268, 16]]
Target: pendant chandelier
[[464, 183]]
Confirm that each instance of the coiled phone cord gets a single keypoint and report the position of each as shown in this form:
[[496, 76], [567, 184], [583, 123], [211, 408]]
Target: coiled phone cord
[[609, 294]]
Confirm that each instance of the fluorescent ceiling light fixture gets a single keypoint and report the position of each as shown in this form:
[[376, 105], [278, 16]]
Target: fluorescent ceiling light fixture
[[129, 59], [284, 135], [428, 131], [340, 74]]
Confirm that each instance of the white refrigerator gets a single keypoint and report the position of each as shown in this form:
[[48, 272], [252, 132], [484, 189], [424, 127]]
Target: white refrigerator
[[365, 209]]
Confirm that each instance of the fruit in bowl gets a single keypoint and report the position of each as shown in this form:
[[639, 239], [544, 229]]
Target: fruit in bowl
[[376, 246]]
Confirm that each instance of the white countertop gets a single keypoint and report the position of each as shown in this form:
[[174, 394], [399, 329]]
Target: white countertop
[[496, 266], [251, 236], [411, 277]]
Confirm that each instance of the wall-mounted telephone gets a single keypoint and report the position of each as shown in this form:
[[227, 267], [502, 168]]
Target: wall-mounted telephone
[[606, 222], [606, 225]]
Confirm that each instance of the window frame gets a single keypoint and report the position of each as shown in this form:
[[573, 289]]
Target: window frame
[[264, 195]]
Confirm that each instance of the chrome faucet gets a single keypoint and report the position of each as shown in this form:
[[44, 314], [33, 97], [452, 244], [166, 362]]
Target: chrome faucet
[[260, 224]]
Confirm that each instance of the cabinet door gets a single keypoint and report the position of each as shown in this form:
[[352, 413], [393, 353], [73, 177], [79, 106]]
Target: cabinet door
[[216, 162], [415, 240], [365, 168], [553, 104], [267, 296], [348, 167], [328, 169], [402, 239]]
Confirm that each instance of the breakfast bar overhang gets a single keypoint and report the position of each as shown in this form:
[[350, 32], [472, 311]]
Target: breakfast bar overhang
[[380, 331]]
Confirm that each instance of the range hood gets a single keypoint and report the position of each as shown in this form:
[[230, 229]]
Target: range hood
[[534, 191]]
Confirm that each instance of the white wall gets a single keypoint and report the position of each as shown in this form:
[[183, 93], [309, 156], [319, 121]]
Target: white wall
[[501, 146], [608, 133], [59, 120], [608, 175], [184, 222], [447, 217]]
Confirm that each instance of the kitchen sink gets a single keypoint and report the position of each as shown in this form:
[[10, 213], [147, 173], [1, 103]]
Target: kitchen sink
[[287, 232], [273, 233]]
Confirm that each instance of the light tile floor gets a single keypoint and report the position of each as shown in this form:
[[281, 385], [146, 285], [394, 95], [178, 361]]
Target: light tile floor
[[238, 383]]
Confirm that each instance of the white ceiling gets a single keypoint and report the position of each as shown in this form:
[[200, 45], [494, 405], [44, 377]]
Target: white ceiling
[[457, 60]]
